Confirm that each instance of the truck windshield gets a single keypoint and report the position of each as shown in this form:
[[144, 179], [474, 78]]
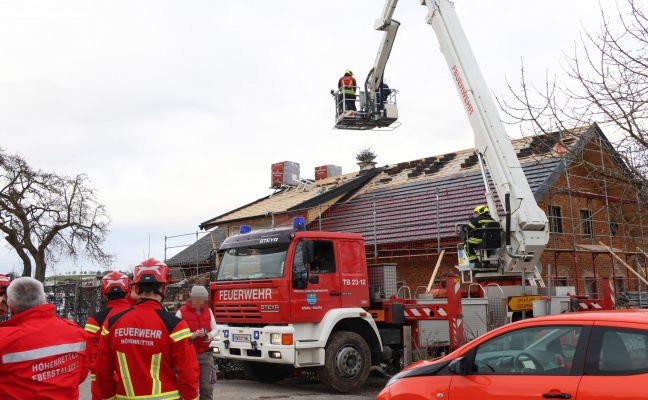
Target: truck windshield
[[249, 263]]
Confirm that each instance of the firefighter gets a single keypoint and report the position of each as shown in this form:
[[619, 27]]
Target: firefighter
[[347, 85], [4, 284], [481, 219], [197, 314], [114, 288], [41, 356], [145, 346]]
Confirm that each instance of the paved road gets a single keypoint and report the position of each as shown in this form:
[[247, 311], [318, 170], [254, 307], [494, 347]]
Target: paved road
[[290, 389]]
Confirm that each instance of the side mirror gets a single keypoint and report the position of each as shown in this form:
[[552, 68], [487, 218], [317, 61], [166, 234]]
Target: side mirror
[[309, 251], [212, 263], [313, 279], [456, 366]]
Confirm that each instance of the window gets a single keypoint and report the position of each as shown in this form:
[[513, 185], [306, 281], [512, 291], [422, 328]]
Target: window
[[555, 220], [252, 263], [538, 350], [617, 351], [591, 289], [586, 223], [619, 284], [561, 281], [324, 259]]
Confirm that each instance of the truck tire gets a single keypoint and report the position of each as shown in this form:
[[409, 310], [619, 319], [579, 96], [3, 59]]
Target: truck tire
[[265, 372], [347, 361]]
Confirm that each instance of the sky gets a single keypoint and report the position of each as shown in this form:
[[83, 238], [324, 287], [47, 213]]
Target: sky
[[177, 109]]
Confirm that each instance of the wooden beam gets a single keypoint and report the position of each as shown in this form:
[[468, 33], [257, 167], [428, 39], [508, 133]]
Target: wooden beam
[[436, 269], [624, 263]]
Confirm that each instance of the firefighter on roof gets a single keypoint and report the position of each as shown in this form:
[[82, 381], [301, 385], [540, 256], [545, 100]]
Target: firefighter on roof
[[145, 346], [114, 288]]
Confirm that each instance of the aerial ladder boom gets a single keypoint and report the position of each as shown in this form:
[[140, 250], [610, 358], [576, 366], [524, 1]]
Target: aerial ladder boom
[[377, 107], [390, 26], [527, 227]]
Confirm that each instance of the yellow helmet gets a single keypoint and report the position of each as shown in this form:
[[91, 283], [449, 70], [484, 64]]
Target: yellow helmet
[[481, 210], [348, 72]]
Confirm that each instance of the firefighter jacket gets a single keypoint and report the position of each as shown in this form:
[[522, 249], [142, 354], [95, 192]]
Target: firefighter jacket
[[145, 345], [347, 84], [43, 356], [477, 225], [93, 328], [196, 321]]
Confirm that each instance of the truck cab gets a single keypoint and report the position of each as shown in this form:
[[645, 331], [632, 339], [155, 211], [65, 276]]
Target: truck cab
[[282, 295]]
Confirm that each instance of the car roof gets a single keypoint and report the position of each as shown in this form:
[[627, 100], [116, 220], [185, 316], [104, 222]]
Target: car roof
[[632, 316]]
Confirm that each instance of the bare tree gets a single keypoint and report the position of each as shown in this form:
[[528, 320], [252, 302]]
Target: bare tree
[[45, 216], [607, 83]]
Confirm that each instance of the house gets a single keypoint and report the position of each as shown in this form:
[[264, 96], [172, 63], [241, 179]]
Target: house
[[407, 212], [194, 259]]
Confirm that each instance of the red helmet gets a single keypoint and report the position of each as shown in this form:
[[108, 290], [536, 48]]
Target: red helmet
[[4, 283], [114, 282], [151, 271]]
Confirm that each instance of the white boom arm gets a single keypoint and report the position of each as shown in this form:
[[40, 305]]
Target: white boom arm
[[390, 26], [528, 225]]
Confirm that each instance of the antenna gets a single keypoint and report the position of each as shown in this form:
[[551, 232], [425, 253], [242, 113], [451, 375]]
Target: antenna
[[149, 248]]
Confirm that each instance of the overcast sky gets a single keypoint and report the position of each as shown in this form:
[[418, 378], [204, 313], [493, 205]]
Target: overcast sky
[[177, 109]]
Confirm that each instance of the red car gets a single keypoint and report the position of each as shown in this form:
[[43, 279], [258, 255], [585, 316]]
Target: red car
[[584, 356]]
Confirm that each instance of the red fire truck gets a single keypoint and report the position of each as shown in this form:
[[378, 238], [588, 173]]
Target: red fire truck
[[288, 298]]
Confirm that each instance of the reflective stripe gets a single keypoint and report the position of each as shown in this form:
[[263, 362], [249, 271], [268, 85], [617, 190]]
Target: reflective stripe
[[104, 331], [125, 374], [155, 373], [44, 352], [93, 377], [162, 396], [182, 334], [91, 328]]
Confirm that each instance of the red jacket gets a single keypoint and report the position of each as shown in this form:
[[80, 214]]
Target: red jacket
[[347, 84], [197, 320], [93, 328], [42, 356], [145, 345]]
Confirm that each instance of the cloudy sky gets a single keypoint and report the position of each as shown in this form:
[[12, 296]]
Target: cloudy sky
[[177, 109]]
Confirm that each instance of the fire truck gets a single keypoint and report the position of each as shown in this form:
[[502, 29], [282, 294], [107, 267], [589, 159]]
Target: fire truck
[[289, 298]]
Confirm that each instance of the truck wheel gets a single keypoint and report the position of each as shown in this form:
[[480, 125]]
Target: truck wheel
[[265, 372], [347, 361]]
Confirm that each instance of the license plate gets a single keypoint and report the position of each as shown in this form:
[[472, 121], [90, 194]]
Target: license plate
[[241, 338]]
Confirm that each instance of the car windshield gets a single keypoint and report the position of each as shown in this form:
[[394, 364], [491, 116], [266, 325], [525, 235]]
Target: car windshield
[[251, 263]]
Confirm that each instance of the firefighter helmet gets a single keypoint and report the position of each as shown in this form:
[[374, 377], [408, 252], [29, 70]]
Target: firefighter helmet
[[481, 210], [4, 284], [114, 282], [151, 271], [348, 72]]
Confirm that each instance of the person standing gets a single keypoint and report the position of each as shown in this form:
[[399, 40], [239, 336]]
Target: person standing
[[480, 220], [145, 345], [347, 85], [114, 287], [200, 318], [42, 356]]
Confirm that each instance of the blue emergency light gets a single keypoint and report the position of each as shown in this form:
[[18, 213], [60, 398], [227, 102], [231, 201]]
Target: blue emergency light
[[299, 223], [226, 333], [245, 229], [256, 335]]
